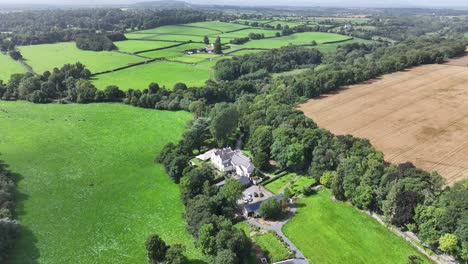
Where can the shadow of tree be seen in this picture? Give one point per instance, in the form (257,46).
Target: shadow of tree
(25,250)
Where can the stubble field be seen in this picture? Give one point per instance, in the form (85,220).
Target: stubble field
(419,115)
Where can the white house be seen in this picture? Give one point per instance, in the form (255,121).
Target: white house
(228,160)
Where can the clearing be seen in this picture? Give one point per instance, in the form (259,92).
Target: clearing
(89,191)
(8,67)
(165,73)
(418,115)
(335,232)
(45,57)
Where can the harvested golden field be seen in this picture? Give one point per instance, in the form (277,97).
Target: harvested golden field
(419,115)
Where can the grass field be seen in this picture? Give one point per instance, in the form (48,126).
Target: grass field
(277,185)
(131,46)
(267,241)
(466,35)
(335,232)
(179,30)
(89,191)
(419,115)
(179,38)
(295,39)
(47,56)
(245,51)
(287,23)
(163,72)
(8,67)
(217,25)
(172,52)
(245,33)
(300,183)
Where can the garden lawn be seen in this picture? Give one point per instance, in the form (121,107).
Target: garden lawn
(8,66)
(304,38)
(89,190)
(47,56)
(277,185)
(132,46)
(217,25)
(179,30)
(335,232)
(162,72)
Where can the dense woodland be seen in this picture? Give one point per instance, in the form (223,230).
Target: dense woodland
(247,101)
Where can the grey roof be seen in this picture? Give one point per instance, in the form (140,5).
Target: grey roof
(240,159)
(244,180)
(225,154)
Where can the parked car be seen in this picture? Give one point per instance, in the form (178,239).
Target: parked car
(255,194)
(261,194)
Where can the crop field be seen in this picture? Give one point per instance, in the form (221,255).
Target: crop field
(131,46)
(89,191)
(8,67)
(419,115)
(335,232)
(47,56)
(305,38)
(216,25)
(179,30)
(162,72)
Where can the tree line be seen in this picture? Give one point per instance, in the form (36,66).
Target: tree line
(9,227)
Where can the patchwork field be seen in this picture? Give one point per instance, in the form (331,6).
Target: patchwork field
(47,56)
(419,115)
(176,38)
(89,191)
(131,46)
(179,30)
(216,25)
(245,33)
(164,73)
(8,67)
(335,232)
(172,52)
(305,38)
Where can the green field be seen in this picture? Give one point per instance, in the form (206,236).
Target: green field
(277,185)
(162,72)
(89,191)
(287,23)
(267,241)
(179,30)
(8,67)
(217,25)
(466,35)
(178,38)
(335,232)
(245,33)
(172,52)
(132,46)
(305,38)
(245,51)
(47,56)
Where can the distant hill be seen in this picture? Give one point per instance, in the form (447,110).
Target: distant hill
(162,4)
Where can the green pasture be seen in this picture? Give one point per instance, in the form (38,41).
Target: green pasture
(47,56)
(88,188)
(132,46)
(466,35)
(8,67)
(290,24)
(331,47)
(245,51)
(165,73)
(172,52)
(179,30)
(178,38)
(304,38)
(217,25)
(335,232)
(245,33)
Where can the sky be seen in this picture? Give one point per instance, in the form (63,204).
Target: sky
(344,3)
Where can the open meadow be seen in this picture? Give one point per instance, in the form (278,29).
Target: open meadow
(179,30)
(418,115)
(162,72)
(132,46)
(88,188)
(8,67)
(45,57)
(304,38)
(338,233)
